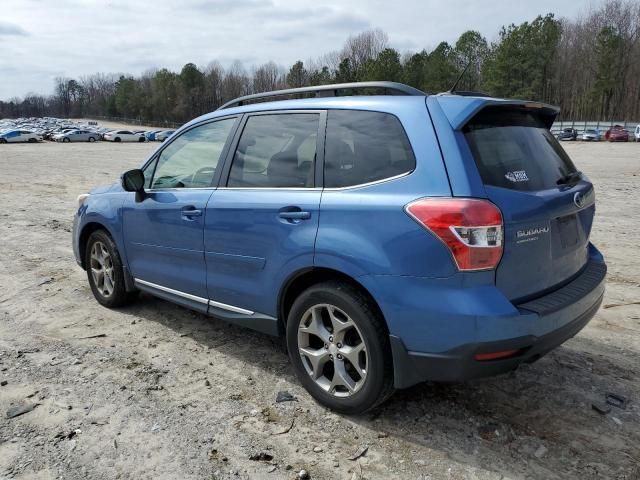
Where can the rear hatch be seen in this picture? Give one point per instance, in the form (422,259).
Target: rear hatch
(547,205)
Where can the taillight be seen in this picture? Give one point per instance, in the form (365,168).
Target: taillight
(471,228)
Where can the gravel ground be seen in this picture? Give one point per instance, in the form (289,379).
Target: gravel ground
(159,392)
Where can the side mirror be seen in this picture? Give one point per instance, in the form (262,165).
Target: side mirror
(133,180)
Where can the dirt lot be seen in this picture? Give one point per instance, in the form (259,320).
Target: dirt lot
(159,392)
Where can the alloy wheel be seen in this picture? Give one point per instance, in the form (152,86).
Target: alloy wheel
(332,350)
(102,269)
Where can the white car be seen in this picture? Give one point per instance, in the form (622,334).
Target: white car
(15,136)
(636,133)
(123,136)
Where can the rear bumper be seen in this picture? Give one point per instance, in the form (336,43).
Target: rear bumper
(538,327)
(460,365)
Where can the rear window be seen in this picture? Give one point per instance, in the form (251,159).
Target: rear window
(514,149)
(363,147)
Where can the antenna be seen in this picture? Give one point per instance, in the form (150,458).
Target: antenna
(453,89)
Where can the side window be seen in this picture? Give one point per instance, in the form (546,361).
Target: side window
(190,160)
(276,150)
(363,147)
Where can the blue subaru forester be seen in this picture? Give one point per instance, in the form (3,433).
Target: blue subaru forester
(393,238)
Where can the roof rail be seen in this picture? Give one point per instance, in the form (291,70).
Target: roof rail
(393,88)
(467,93)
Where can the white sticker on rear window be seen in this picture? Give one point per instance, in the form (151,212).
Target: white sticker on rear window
(517,176)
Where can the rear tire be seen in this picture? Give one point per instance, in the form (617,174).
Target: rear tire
(92,139)
(32,140)
(349,368)
(117,139)
(105,272)
(141,140)
(3,140)
(66,140)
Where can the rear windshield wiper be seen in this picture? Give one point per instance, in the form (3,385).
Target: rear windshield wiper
(570,178)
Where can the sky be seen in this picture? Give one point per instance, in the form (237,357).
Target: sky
(44,39)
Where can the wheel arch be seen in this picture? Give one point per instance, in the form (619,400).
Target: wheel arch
(85,233)
(83,238)
(305,278)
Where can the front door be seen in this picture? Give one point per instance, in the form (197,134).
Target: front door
(261,224)
(163,231)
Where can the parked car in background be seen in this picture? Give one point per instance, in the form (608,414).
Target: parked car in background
(123,136)
(49,128)
(412,257)
(617,134)
(77,136)
(163,135)
(58,132)
(636,134)
(568,134)
(151,135)
(18,136)
(50,133)
(102,132)
(591,135)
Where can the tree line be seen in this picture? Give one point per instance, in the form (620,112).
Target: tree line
(589,66)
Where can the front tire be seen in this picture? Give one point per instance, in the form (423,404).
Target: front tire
(339,347)
(66,140)
(105,272)
(141,139)
(92,139)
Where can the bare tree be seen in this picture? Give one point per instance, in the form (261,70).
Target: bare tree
(213,77)
(236,82)
(267,77)
(364,46)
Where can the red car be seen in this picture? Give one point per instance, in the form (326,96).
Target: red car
(616,134)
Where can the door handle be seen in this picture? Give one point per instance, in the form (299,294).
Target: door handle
(295,215)
(191,212)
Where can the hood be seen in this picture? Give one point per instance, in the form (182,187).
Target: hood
(114,187)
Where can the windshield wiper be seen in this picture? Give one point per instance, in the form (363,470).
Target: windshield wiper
(570,177)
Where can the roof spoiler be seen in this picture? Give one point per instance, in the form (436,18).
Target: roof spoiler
(460,110)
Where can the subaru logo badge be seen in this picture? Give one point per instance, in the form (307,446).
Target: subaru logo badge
(578,199)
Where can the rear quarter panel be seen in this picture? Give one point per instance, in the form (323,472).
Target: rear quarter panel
(364,230)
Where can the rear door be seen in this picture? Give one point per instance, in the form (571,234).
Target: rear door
(261,223)
(547,205)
